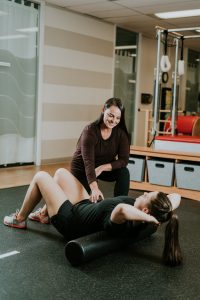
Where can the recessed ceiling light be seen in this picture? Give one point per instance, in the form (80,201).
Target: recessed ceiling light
(179,14)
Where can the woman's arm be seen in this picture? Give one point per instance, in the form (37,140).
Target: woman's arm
(103,168)
(122,152)
(125,212)
(87,145)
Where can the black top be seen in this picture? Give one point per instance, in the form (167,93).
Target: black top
(91,217)
(92,151)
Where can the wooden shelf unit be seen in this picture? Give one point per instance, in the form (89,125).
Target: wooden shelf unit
(177,157)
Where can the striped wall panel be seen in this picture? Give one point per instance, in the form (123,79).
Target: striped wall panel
(53,93)
(63,19)
(55,56)
(78,78)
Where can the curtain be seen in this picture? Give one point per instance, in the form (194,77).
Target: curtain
(18,74)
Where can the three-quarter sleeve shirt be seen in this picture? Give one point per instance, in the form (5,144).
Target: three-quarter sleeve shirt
(92,151)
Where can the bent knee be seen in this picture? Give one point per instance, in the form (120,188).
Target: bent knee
(41,175)
(60,172)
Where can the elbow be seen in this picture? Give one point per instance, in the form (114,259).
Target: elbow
(175,200)
(118,214)
(120,208)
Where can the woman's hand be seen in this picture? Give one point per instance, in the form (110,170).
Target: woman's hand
(125,212)
(102,168)
(96,195)
(151,219)
(98,171)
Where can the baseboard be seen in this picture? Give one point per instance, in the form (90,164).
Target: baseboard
(56,160)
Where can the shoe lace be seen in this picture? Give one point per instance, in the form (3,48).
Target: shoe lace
(15,213)
(38,211)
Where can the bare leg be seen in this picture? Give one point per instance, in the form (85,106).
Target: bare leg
(72,188)
(44,186)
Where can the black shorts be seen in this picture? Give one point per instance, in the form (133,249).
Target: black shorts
(63,220)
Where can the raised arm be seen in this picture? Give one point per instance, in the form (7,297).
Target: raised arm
(125,212)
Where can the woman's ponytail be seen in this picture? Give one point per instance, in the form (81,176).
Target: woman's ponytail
(172,252)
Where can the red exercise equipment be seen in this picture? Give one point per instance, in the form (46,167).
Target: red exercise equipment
(186,125)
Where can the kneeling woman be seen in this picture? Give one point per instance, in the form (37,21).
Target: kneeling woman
(78,216)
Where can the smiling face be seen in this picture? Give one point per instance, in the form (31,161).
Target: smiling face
(143,201)
(112,116)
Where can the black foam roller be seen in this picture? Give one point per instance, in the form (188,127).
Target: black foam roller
(94,245)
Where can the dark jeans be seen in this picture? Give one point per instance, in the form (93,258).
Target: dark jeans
(120,176)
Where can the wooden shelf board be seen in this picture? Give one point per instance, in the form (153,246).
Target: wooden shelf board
(146,186)
(147,151)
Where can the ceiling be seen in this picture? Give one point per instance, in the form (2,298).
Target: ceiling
(138,15)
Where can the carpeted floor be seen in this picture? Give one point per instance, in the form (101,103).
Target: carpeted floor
(41,271)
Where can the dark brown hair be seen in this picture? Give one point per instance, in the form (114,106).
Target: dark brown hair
(118,103)
(161,209)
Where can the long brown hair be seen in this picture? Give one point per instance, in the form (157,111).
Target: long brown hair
(161,208)
(118,103)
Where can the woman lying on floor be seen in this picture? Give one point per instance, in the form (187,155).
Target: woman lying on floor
(78,216)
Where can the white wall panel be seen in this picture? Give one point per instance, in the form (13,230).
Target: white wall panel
(77,60)
(76,95)
(73,75)
(64,19)
(62,130)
